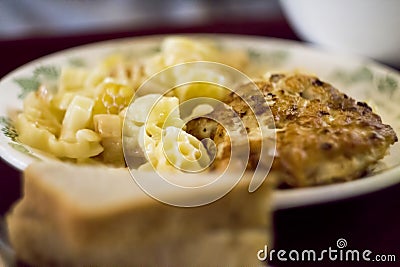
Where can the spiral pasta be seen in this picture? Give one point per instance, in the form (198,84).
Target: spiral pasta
(164,144)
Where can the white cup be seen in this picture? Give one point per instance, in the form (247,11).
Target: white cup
(365,27)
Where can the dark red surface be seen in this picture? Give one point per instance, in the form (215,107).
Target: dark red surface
(368,222)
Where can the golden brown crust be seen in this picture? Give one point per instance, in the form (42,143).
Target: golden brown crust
(323,136)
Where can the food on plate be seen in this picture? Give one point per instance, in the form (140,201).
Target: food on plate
(62,118)
(322,135)
(153,133)
(93,215)
(96,216)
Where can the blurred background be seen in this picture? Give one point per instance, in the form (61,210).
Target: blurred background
(31,29)
(26,18)
(364,27)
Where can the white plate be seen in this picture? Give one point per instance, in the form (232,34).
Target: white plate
(359,78)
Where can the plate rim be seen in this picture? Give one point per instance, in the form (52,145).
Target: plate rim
(282,199)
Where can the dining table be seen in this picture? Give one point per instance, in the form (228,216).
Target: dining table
(369,221)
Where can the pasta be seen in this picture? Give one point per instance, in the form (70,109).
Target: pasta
(109,127)
(86,144)
(83,118)
(76,117)
(183,150)
(156,120)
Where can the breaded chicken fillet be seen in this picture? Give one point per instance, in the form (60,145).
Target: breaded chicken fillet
(322,135)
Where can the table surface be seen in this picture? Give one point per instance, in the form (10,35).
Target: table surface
(370,221)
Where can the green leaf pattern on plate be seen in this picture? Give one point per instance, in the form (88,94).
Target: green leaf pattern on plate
(9,131)
(362,74)
(76,62)
(272,58)
(42,74)
(27,85)
(46,72)
(8,128)
(155,49)
(387,85)
(21,148)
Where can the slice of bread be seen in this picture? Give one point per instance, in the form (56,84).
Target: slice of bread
(75,216)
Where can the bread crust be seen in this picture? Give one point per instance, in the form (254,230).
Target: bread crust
(93,216)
